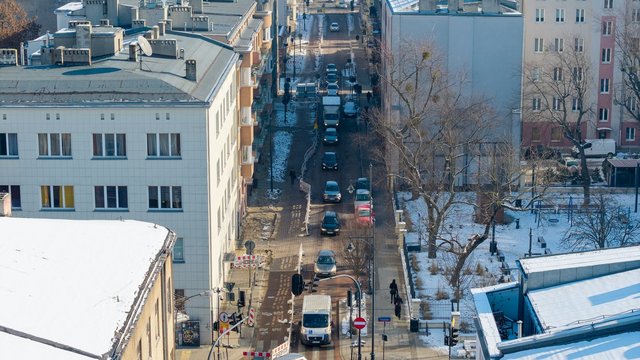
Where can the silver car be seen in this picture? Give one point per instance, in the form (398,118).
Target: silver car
(325,264)
(332,192)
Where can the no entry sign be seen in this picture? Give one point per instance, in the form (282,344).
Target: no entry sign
(359,323)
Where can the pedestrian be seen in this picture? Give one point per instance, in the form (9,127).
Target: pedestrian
(393,290)
(292,175)
(369,97)
(398,306)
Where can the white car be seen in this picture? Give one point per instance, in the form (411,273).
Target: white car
(332,89)
(334,27)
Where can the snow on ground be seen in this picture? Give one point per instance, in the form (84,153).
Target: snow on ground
(282,146)
(344,320)
(512,242)
(291,120)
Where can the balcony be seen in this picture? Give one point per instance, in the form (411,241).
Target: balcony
(246,77)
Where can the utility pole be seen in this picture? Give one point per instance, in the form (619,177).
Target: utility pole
(373,264)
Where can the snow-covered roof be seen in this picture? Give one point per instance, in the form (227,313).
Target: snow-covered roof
(619,346)
(587,301)
(580,259)
(72,6)
(486,319)
(71,281)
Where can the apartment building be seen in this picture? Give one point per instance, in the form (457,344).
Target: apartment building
(129,136)
(81,289)
(585,32)
(477,43)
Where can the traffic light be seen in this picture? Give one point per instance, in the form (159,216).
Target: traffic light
(241,299)
(349,300)
(455,327)
(351,5)
(453,340)
(297,284)
(215,326)
(446,340)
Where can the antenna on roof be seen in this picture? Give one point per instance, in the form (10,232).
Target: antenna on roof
(144,48)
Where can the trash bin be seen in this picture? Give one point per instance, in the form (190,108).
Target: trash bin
(414,325)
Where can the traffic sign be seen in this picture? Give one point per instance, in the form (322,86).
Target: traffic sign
(359,323)
(384,319)
(224,317)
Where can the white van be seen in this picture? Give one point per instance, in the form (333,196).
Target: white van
(599,148)
(315,328)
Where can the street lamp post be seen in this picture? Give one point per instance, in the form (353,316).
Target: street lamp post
(373,264)
(293,41)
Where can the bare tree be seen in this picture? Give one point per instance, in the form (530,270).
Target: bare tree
(356,253)
(430,140)
(628,43)
(15,25)
(601,226)
(558,93)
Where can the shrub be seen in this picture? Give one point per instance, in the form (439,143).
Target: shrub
(465,327)
(441,294)
(425,309)
(433,268)
(467,271)
(419,283)
(415,266)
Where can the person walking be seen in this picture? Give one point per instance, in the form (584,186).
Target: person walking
(398,306)
(292,175)
(393,290)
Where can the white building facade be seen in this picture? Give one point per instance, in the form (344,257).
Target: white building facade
(110,141)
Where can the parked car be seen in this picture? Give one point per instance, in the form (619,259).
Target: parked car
(364,215)
(329,161)
(330,223)
(362,197)
(330,136)
(325,264)
(334,27)
(350,109)
(331,192)
(332,89)
(332,68)
(341,5)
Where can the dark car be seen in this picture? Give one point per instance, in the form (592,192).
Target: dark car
(363,183)
(332,78)
(330,136)
(329,161)
(330,224)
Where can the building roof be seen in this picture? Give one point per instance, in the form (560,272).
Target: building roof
(579,259)
(115,80)
(587,301)
(618,346)
(72,6)
(623,163)
(507,7)
(73,282)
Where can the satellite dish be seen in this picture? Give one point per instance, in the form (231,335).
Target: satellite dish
(144,46)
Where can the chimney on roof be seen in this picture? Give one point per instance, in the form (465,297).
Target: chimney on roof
(454,6)
(156,31)
(191,70)
(169,24)
(196,6)
(490,6)
(427,5)
(104,22)
(8,57)
(83,36)
(133,52)
(162,28)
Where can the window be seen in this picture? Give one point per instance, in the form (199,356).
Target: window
(604,86)
(578,44)
(535,134)
(54,145)
(109,145)
(139,350)
(559,15)
(608,4)
(165,197)
(535,106)
(635,15)
(157,315)
(14,190)
(178,251)
(557,74)
(607,27)
(8,145)
(630,134)
(538,45)
(606,56)
(556,134)
(603,114)
(539,15)
(559,45)
(576,104)
(632,103)
(149,337)
(536,73)
(163,145)
(57,197)
(111,197)
(556,104)
(578,73)
(579,15)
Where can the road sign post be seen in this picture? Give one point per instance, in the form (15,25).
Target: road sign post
(384,320)
(359,323)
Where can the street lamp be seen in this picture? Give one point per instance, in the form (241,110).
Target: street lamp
(285,58)
(293,41)
(373,264)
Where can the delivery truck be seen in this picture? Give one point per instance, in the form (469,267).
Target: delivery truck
(331,110)
(315,327)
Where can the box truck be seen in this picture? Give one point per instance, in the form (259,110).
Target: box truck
(315,328)
(331,110)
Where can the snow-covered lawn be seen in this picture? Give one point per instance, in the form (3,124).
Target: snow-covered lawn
(483,268)
(282,146)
